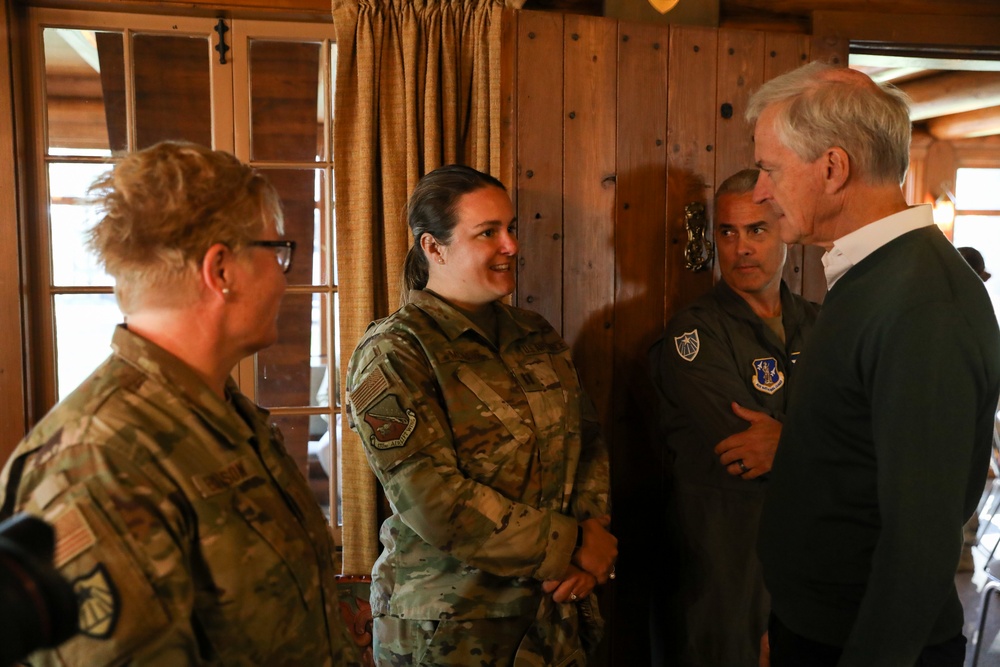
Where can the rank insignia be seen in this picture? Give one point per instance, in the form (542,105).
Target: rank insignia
(794,357)
(99,603)
(767,378)
(391,425)
(687,345)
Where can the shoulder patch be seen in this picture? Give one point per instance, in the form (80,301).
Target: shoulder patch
(99,603)
(687,345)
(391,425)
(73,535)
(369,389)
(767,378)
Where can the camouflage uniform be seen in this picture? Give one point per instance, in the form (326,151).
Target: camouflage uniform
(185,527)
(489,457)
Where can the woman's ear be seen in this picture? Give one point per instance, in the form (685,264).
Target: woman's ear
(216,270)
(433,250)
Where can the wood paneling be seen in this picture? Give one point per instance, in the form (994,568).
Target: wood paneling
(639,250)
(691,152)
(539,164)
(621,130)
(741,71)
(590,120)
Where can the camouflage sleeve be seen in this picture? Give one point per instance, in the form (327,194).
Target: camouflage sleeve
(117,536)
(395,409)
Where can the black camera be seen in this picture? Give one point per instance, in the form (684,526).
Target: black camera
(38,608)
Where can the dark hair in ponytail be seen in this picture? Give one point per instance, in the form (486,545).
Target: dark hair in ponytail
(431,210)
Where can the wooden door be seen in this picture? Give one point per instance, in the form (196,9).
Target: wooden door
(611,129)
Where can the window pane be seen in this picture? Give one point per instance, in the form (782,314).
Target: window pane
(285,97)
(84,90)
(312,452)
(301,192)
(978,189)
(172,89)
(291,372)
(982,232)
(84,324)
(70,217)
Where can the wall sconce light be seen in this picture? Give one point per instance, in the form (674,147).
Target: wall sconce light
(944,212)
(663,6)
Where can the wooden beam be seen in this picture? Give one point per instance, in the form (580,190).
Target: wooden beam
(978,123)
(953,23)
(887,10)
(951,93)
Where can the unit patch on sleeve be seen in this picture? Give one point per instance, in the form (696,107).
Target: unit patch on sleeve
(687,345)
(391,425)
(369,389)
(73,535)
(767,378)
(99,603)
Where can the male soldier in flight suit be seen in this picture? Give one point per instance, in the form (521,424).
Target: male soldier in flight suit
(733,349)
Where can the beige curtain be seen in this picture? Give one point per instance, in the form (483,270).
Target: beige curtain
(418,86)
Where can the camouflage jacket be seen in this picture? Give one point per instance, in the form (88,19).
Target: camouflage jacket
(488,455)
(188,533)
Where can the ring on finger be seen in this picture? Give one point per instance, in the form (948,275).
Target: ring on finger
(742,466)
(573,597)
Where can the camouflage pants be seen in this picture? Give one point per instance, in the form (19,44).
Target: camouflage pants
(486,642)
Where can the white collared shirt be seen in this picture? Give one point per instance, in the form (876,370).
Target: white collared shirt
(848,250)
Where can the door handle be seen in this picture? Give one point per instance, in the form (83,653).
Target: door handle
(699,249)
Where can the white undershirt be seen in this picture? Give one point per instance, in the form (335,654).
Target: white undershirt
(849,250)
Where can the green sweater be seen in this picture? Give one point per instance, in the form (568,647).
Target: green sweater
(883,454)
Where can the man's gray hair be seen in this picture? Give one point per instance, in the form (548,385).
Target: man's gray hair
(820,106)
(740,183)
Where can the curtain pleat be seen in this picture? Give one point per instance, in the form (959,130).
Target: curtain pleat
(417,86)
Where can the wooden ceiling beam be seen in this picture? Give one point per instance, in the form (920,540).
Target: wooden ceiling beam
(951,93)
(978,123)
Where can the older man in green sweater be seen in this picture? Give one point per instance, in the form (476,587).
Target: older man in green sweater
(885,447)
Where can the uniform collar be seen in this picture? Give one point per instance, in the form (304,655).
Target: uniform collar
(454,323)
(166,369)
(737,306)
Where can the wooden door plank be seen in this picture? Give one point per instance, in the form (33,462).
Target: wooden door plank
(741,71)
(834,51)
(784,52)
(590,118)
(690,152)
(539,164)
(640,242)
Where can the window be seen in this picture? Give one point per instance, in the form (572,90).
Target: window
(977,220)
(111,83)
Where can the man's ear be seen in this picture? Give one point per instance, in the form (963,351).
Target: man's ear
(837,169)
(216,269)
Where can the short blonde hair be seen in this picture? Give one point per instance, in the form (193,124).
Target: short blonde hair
(163,207)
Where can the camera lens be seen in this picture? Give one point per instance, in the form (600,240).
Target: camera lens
(38,608)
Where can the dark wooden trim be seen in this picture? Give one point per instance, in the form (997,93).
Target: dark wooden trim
(13,389)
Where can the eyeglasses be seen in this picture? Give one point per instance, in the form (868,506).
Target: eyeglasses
(283,251)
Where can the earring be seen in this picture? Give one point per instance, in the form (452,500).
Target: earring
(225,291)
(440,260)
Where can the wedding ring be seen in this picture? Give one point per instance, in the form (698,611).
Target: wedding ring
(742,466)
(612,575)
(572,596)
